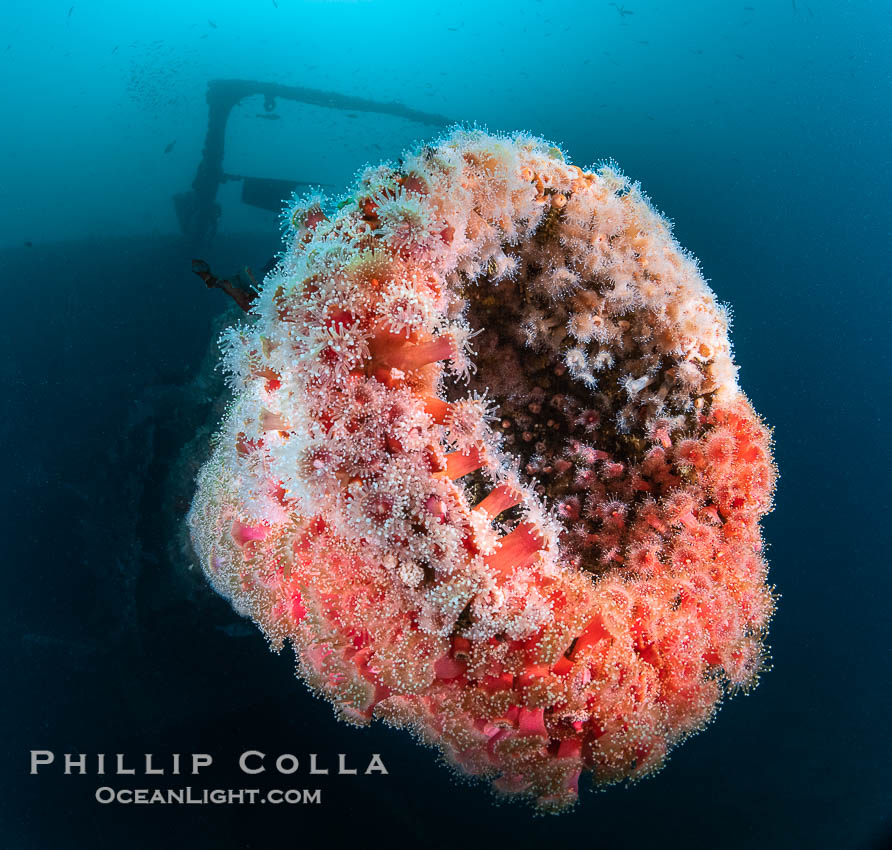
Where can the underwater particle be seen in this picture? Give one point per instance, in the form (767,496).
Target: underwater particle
(488,469)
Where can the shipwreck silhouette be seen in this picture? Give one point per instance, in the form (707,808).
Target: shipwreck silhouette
(197,209)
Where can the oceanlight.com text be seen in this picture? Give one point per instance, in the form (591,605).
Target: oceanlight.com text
(208,796)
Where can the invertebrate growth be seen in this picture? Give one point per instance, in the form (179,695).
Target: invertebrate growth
(488,469)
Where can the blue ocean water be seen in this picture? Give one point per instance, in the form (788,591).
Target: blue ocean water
(762,130)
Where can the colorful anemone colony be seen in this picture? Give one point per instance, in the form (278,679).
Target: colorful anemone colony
(488,470)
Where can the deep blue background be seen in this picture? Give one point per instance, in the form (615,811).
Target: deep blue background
(763,132)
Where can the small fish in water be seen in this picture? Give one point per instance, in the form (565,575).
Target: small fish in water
(70,11)
(115,50)
(212,23)
(29,243)
(275,4)
(269,116)
(352,115)
(170,145)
